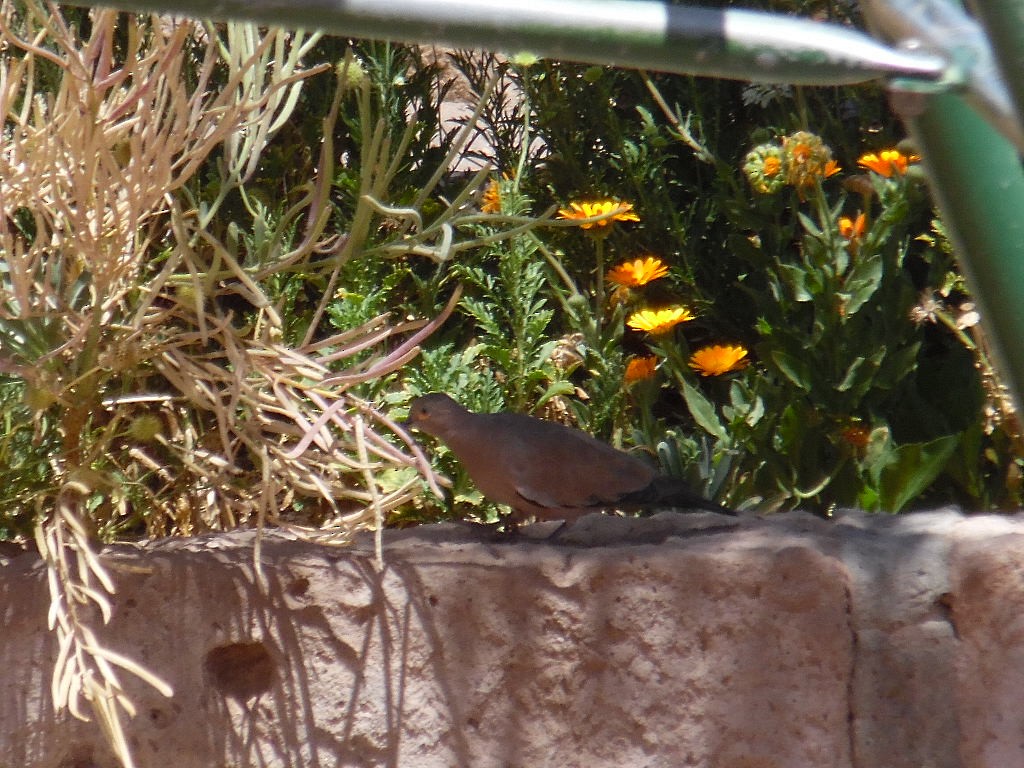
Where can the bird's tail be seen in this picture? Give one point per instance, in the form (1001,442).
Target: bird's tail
(667,491)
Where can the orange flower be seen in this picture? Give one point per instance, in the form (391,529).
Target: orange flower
(807,160)
(856,435)
(888,162)
(640,368)
(716,360)
(658,321)
(611,210)
(764,167)
(800,152)
(633,274)
(491,202)
(852,229)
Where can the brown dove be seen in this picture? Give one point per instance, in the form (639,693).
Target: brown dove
(546,470)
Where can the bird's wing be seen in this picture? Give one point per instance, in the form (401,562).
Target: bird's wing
(556,467)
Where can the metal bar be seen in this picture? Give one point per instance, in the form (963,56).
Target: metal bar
(942,27)
(978,183)
(736,44)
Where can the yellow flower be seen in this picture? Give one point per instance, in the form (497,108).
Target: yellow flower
(657,321)
(352,71)
(491,202)
(888,162)
(718,359)
(831,169)
(610,209)
(525,59)
(852,229)
(640,368)
(633,274)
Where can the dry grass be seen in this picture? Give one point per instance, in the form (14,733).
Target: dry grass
(171,410)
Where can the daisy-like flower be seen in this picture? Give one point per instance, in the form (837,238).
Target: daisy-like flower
(640,368)
(763,167)
(352,71)
(888,162)
(807,159)
(491,202)
(658,321)
(632,274)
(718,359)
(612,210)
(852,229)
(802,159)
(525,59)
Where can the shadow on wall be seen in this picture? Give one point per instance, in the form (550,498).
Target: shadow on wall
(763,644)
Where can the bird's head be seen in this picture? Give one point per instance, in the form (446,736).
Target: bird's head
(433,414)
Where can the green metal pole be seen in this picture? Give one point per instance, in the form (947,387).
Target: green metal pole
(942,27)
(978,183)
(970,142)
(1003,21)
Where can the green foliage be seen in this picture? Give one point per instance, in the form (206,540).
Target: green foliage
(215,289)
(860,382)
(512,319)
(27,440)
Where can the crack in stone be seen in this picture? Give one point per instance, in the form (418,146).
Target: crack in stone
(851,715)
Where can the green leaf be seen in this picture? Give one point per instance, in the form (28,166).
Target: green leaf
(795,278)
(860,376)
(897,365)
(756,412)
(851,371)
(747,406)
(554,389)
(794,369)
(868,499)
(703,412)
(914,468)
(862,283)
(810,226)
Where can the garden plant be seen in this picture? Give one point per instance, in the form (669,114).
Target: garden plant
(230,257)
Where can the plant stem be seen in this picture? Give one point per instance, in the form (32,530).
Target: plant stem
(524,150)
(556,265)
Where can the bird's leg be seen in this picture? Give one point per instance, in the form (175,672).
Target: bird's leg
(508,527)
(556,534)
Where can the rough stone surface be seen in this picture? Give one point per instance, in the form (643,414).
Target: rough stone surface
(678,640)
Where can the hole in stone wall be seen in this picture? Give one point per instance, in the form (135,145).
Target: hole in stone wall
(79,757)
(946,606)
(241,670)
(298,587)
(162,718)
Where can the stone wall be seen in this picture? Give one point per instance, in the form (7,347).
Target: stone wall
(675,641)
